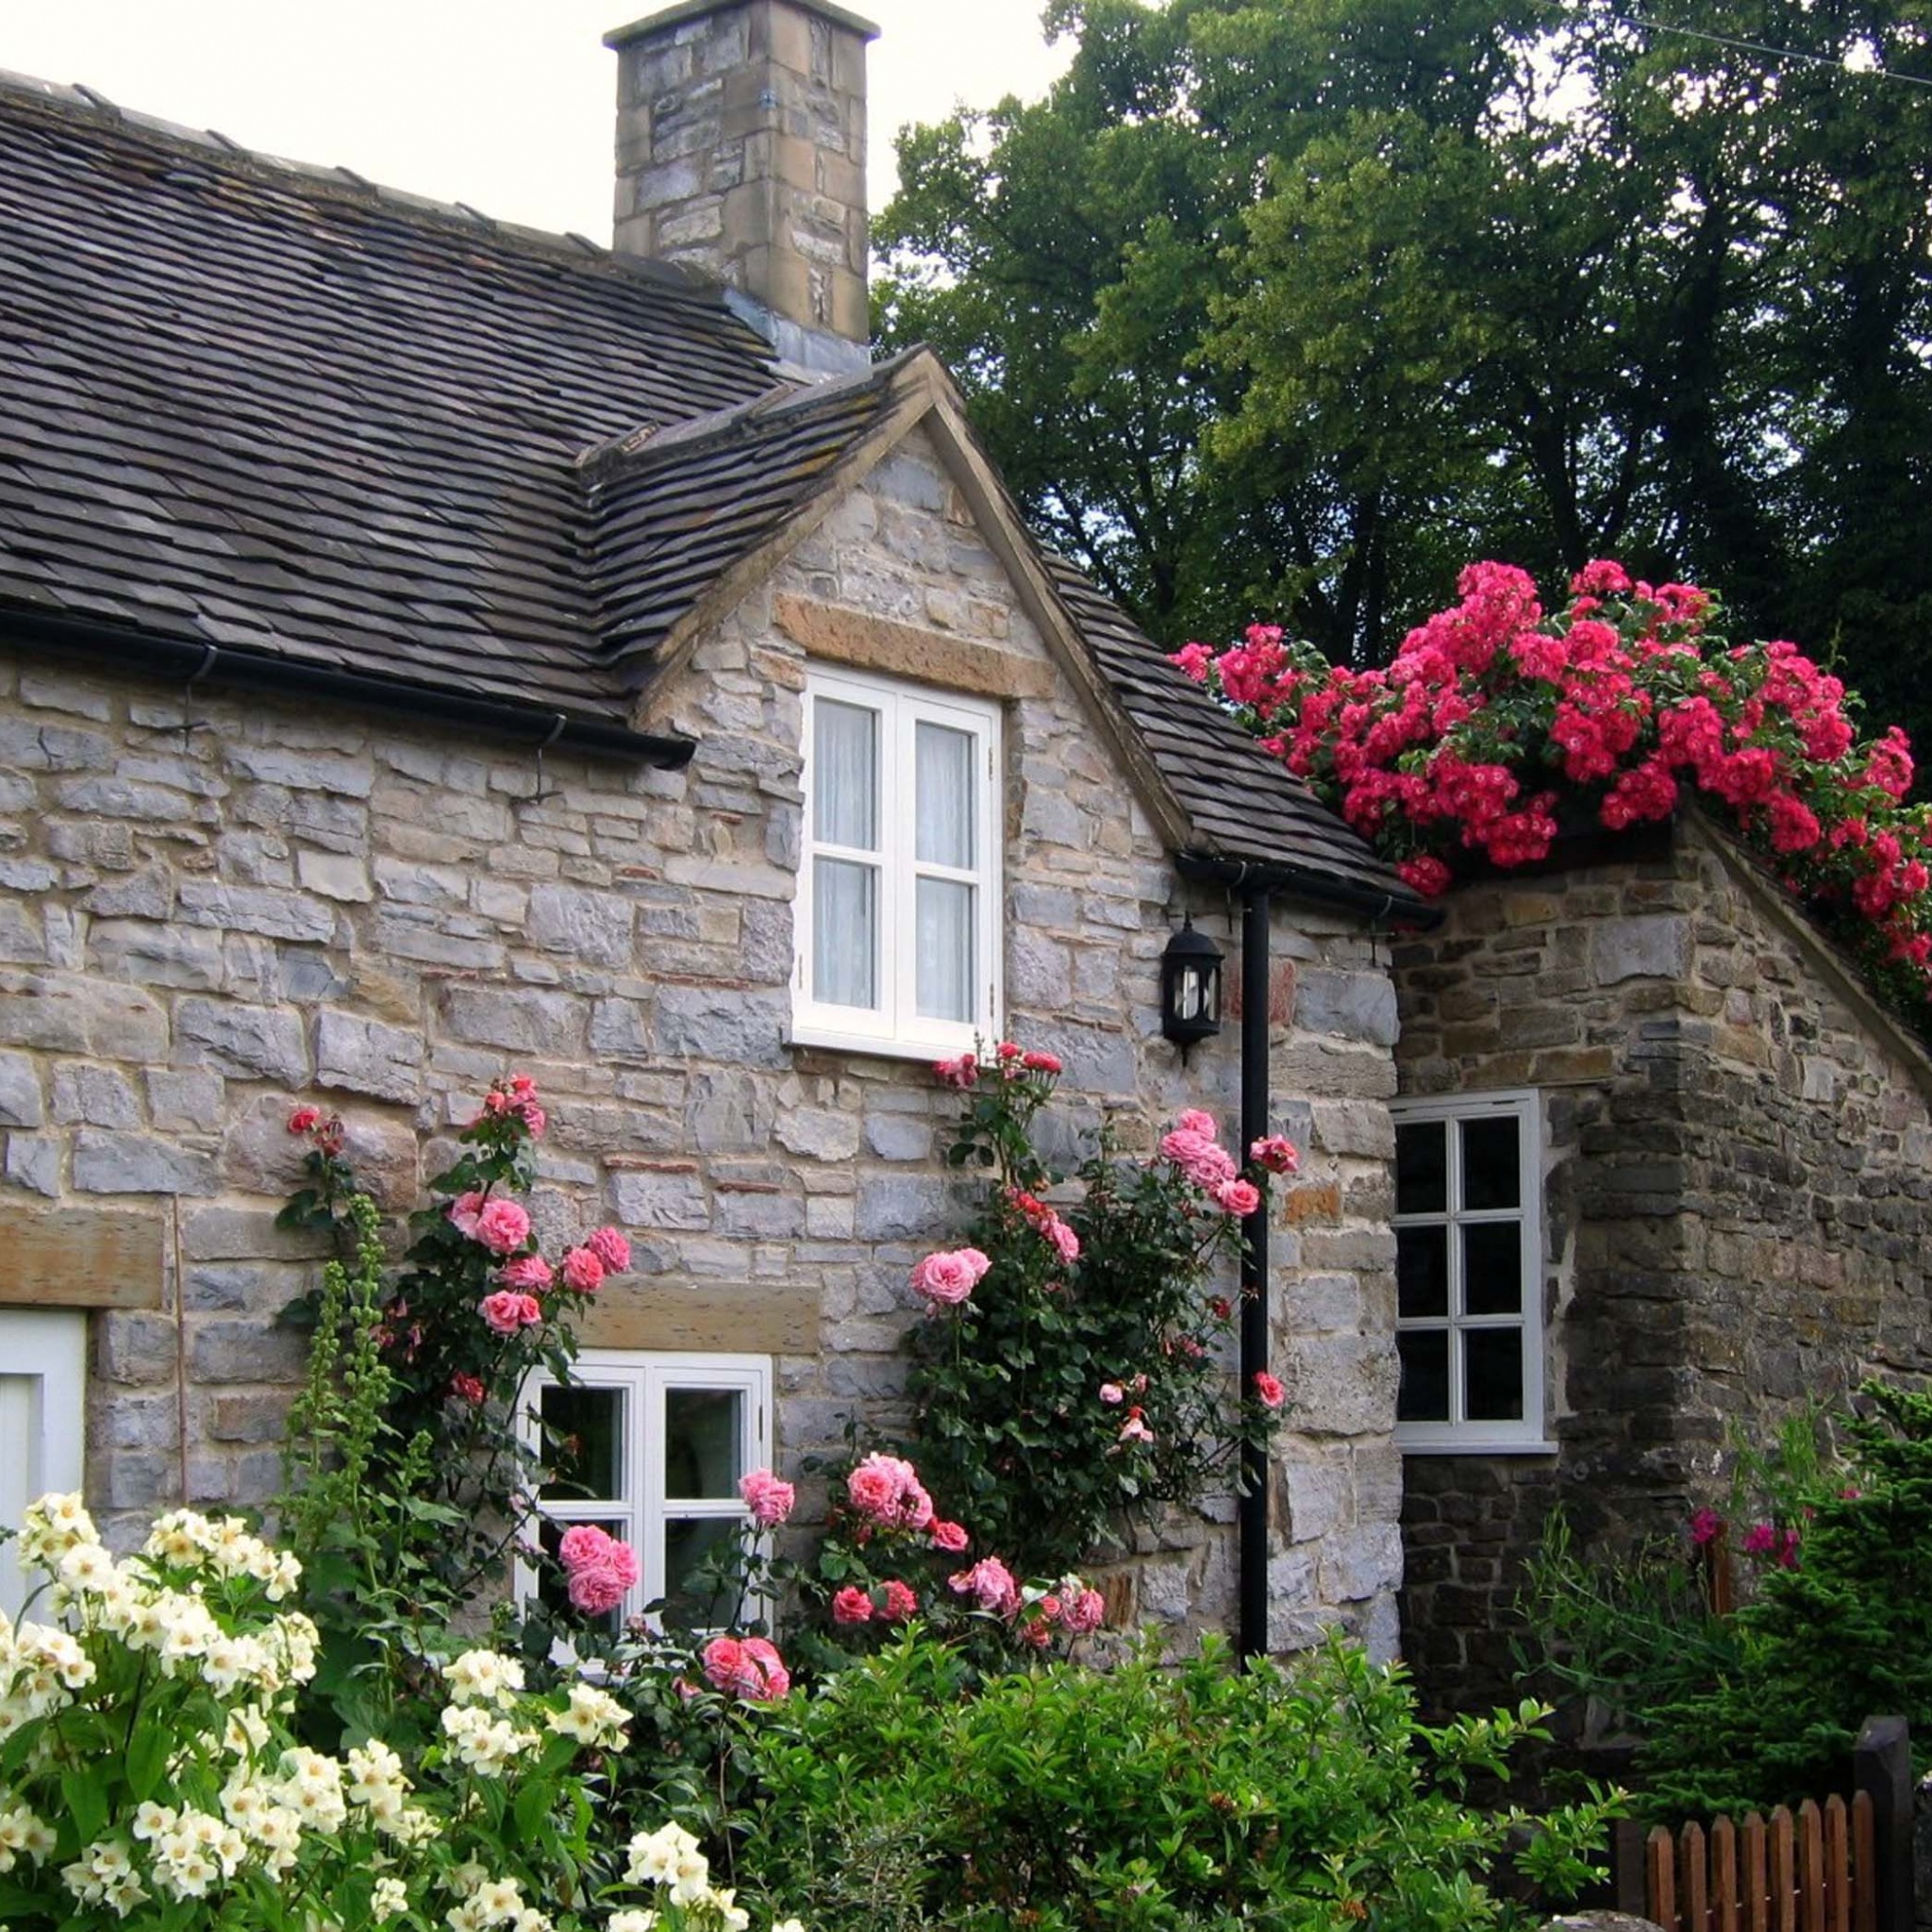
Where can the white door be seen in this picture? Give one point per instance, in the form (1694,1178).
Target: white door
(43,1420)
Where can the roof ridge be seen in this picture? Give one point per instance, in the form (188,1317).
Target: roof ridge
(85,103)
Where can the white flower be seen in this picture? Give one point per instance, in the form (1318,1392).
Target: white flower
(484,1677)
(483,1742)
(52,1527)
(633,1922)
(663,1856)
(390,1897)
(595,1718)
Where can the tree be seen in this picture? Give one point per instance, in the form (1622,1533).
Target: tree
(1288,307)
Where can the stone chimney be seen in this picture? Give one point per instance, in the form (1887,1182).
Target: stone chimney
(741,151)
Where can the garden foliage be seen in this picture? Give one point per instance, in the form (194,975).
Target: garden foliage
(1496,724)
(1762,1706)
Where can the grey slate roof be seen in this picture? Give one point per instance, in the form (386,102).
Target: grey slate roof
(278,410)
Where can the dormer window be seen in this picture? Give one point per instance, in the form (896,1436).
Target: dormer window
(898,926)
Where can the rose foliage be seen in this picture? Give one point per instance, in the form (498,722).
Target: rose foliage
(1498,721)
(1072,1374)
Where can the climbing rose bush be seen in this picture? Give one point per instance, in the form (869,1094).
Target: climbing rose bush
(1498,721)
(1074,1370)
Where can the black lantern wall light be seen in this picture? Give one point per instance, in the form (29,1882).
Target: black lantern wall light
(1190,987)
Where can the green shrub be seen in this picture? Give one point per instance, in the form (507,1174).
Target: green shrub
(1141,1799)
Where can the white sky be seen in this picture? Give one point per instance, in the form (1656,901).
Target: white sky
(506,105)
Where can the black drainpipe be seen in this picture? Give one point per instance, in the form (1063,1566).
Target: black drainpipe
(1253,1506)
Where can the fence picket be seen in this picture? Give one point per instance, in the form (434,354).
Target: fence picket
(1784,1871)
(1723,1876)
(1864,1864)
(1810,1867)
(1694,1872)
(1838,1866)
(1757,1879)
(1663,1879)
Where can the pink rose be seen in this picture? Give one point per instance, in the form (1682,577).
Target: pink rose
(850,1606)
(887,1489)
(305,1120)
(530,1273)
(946,1279)
(610,1248)
(960,1073)
(1083,1613)
(769,1500)
(1240,1198)
(601,1570)
(746,1667)
(1135,1429)
(1041,1062)
(506,1311)
(1706,1527)
(1112,1394)
(989,1584)
(1034,1631)
(1192,1120)
(467,1389)
(582,1270)
(463,1212)
(1760,1539)
(1064,1239)
(900,1602)
(950,1537)
(1275,1154)
(502,1226)
(1268,1389)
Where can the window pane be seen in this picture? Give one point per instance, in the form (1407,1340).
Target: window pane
(1422,1168)
(1421,1270)
(845,775)
(702,1431)
(583,1441)
(945,950)
(1424,1396)
(1492,1171)
(691,1599)
(943,759)
(1492,1364)
(1492,1268)
(845,940)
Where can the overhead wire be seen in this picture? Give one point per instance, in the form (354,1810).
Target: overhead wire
(1742,47)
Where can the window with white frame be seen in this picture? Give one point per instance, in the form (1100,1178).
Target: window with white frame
(1469,1273)
(42,1402)
(650,1449)
(898,926)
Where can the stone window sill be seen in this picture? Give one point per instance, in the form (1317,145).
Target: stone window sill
(828,1038)
(1475,1445)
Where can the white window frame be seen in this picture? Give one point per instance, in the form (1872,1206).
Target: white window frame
(1460,1436)
(43,1420)
(896,1027)
(639,1516)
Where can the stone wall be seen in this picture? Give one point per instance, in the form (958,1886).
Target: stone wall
(210,908)
(1736,1168)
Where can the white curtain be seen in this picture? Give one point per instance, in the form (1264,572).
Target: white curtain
(944,835)
(846,811)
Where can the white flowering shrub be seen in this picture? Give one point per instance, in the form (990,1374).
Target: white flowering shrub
(150,1779)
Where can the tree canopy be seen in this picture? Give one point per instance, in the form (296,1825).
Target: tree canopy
(1288,308)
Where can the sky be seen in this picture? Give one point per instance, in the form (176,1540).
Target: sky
(506,105)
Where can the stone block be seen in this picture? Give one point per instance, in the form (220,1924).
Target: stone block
(135,1349)
(525,1020)
(339,875)
(672,1196)
(70,1014)
(155,955)
(244,1041)
(736,1028)
(267,911)
(1347,1006)
(120,1163)
(1655,945)
(301,770)
(591,926)
(363,1056)
(223,1350)
(99,1096)
(899,1137)
(819,1133)
(903,1207)
(21,1104)
(33,1162)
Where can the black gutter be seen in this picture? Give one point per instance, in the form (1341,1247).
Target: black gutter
(1397,907)
(192,660)
(1252,1510)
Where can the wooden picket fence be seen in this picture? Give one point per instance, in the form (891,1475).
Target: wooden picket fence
(1838,1867)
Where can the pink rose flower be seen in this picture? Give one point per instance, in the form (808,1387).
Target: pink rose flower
(1275,1154)
(610,1248)
(582,1270)
(887,1489)
(1135,1429)
(946,1279)
(989,1584)
(746,1667)
(769,1500)
(506,1311)
(1041,1062)
(1112,1394)
(1036,1632)
(1083,1613)
(960,1073)
(901,1602)
(950,1537)
(530,1273)
(1706,1527)
(305,1120)
(1268,1389)
(601,1571)
(1192,1120)
(1238,1198)
(1066,1243)
(850,1606)
(463,1213)
(1760,1539)
(502,1226)
(467,1389)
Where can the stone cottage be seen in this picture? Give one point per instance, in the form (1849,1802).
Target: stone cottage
(1664,1167)
(428,648)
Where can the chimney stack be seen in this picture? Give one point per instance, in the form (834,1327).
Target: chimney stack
(741,151)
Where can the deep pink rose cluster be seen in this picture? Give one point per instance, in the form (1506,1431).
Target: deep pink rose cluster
(886,1489)
(514,1099)
(769,1500)
(746,1667)
(600,1572)
(1191,1147)
(945,1279)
